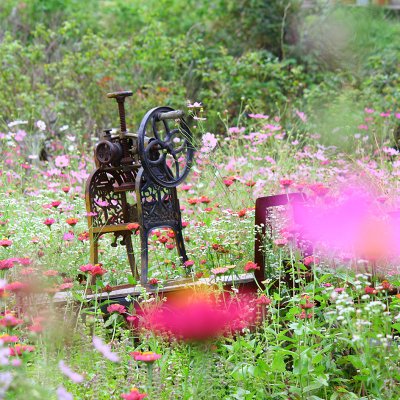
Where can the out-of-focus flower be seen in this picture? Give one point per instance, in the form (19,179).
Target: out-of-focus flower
(285,183)
(263,299)
(20,135)
(41,125)
(72,221)
(258,116)
(219,270)
(20,349)
(6,264)
(133,226)
(118,308)
(67,371)
(61,161)
(5,242)
(251,266)
(104,349)
(49,222)
(146,356)
(62,394)
(209,142)
(134,394)
(194,316)
(301,115)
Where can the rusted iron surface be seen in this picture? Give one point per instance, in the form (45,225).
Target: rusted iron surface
(147,165)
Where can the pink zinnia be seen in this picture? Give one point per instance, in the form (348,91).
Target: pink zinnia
(251,266)
(5,242)
(146,356)
(133,395)
(118,308)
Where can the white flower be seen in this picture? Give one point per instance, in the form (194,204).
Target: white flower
(41,125)
(13,123)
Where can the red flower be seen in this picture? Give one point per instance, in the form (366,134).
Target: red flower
(66,189)
(153,281)
(55,204)
(163,239)
(204,199)
(133,226)
(242,213)
(72,221)
(370,290)
(93,270)
(147,356)
(310,260)
(97,270)
(251,266)
(83,236)
(133,395)
(263,299)
(228,182)
(49,221)
(118,308)
(285,183)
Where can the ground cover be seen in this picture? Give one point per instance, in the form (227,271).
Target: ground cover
(330,335)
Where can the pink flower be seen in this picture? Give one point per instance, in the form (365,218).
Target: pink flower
(310,260)
(369,110)
(133,395)
(20,135)
(62,394)
(61,161)
(67,371)
(251,266)
(397,115)
(147,356)
(118,308)
(258,116)
(301,115)
(209,142)
(10,320)
(104,349)
(49,221)
(219,270)
(285,183)
(188,263)
(263,299)
(5,242)
(6,264)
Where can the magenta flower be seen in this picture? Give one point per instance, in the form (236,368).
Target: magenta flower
(118,308)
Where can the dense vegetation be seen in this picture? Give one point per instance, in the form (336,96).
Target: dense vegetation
(291,100)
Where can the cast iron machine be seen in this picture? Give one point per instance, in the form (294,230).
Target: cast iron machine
(134,185)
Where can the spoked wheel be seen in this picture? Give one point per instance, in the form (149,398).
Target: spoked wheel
(165,146)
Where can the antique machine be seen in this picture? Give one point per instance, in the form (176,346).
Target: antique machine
(134,185)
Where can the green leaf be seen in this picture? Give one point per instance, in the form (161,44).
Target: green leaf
(278,363)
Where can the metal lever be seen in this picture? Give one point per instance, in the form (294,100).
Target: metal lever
(120,97)
(170,115)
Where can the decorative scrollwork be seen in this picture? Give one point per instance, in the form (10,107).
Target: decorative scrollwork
(159,204)
(106,201)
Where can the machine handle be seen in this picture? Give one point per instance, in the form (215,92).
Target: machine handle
(170,115)
(116,95)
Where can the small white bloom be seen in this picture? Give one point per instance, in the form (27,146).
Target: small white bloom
(41,125)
